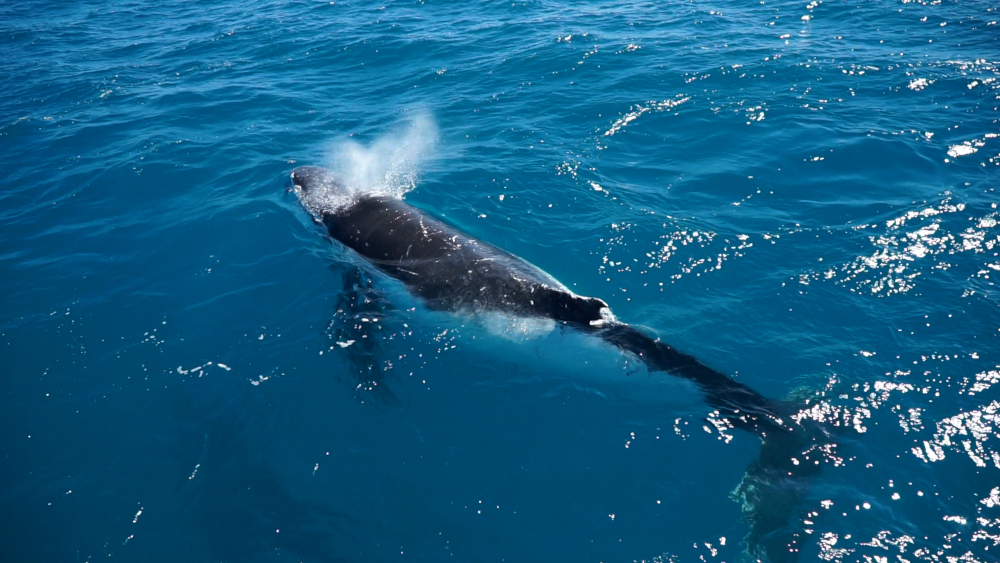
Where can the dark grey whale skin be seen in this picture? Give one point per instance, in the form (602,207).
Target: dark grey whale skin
(452,271)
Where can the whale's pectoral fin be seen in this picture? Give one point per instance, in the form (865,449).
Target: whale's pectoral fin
(564,306)
(358,328)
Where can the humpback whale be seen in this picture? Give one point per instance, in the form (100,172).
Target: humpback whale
(452,271)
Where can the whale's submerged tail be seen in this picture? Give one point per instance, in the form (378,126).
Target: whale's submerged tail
(777,480)
(740,405)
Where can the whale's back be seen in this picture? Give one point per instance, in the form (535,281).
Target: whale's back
(449,269)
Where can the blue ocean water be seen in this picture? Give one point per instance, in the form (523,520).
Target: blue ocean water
(802,195)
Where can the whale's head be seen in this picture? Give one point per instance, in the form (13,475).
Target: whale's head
(320,190)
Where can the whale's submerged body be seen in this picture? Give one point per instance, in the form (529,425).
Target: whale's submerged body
(452,271)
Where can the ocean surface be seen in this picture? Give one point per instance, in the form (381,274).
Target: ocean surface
(803,195)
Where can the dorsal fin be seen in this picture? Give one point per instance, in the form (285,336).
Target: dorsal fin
(563,305)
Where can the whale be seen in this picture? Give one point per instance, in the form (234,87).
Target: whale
(452,271)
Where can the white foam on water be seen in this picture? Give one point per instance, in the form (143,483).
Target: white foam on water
(516,328)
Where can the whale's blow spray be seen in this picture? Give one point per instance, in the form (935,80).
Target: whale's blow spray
(390,165)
